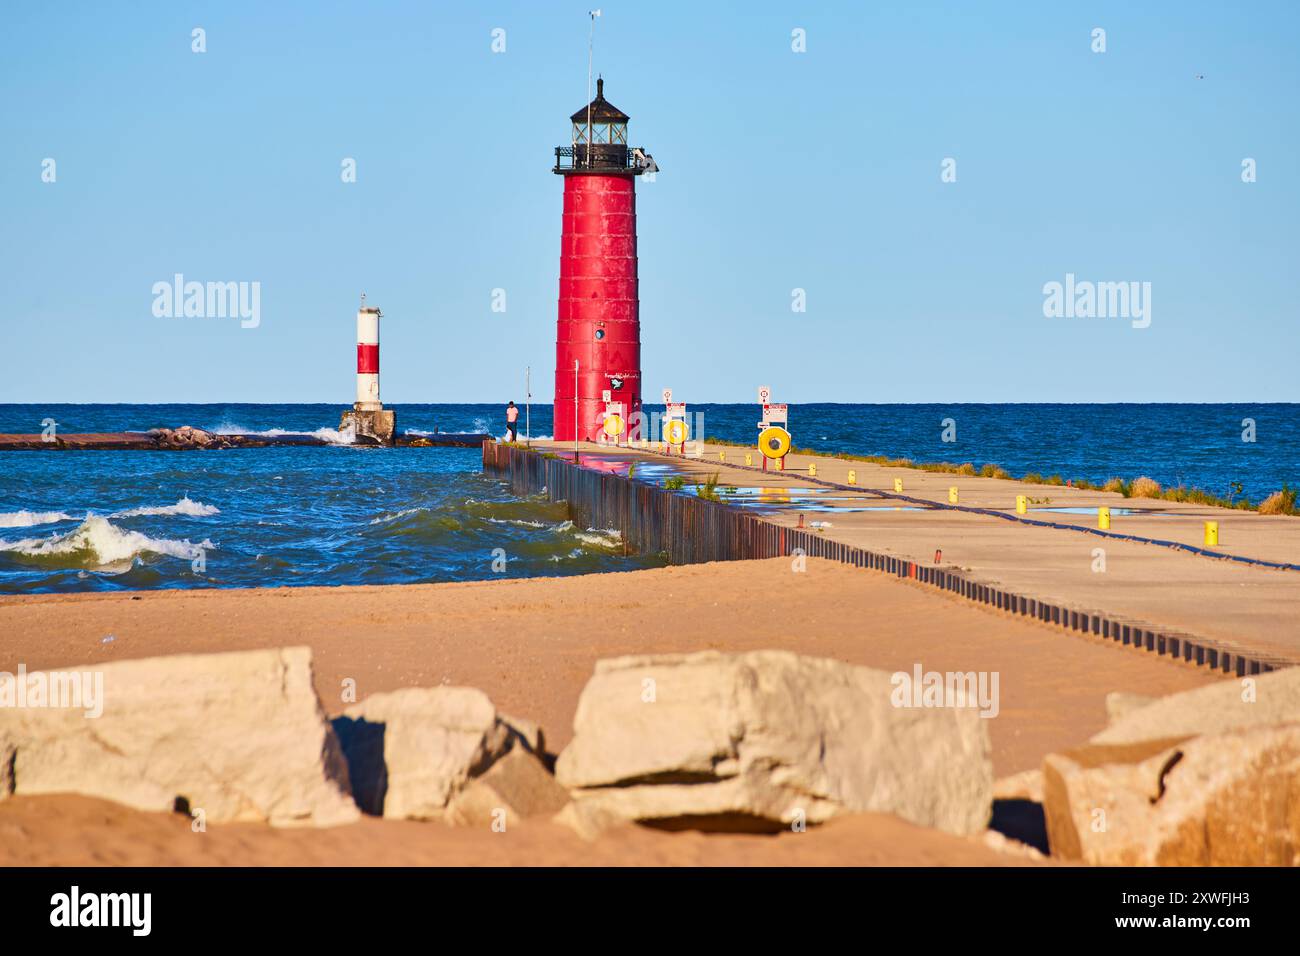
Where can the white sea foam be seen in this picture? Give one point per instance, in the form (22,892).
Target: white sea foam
(479,426)
(334,436)
(26,519)
(595,537)
(229,428)
(519,522)
(186,506)
(423,433)
(600,537)
(99,544)
(384,519)
(575,553)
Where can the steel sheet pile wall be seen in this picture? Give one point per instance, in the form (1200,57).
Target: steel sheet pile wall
(691,530)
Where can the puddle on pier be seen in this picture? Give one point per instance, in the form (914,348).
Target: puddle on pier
(1114,512)
(757,497)
(817,500)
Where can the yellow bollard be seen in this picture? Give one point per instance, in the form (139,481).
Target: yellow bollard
(812,470)
(722,456)
(1022,504)
(1211,533)
(952,496)
(898,486)
(1103,518)
(853,477)
(749,460)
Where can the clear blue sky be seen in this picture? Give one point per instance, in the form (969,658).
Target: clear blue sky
(780,170)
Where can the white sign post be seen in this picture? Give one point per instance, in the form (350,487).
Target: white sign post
(613,417)
(773,414)
(674,412)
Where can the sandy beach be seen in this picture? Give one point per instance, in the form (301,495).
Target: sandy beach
(516,640)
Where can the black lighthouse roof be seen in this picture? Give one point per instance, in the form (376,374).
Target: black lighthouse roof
(598,145)
(602,110)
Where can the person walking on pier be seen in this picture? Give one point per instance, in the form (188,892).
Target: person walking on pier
(512,421)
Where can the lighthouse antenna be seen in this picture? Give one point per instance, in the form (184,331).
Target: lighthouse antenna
(591,38)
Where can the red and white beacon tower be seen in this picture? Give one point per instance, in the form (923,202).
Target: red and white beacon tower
(599,326)
(370,420)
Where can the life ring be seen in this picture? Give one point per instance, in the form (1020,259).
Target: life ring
(774,441)
(613,426)
(674,431)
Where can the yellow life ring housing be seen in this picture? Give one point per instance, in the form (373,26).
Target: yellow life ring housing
(613,425)
(774,441)
(675,431)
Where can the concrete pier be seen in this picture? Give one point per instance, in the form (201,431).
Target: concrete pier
(1158,594)
(372,426)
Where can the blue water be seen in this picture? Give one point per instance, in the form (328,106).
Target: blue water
(97,520)
(1196,445)
(264,517)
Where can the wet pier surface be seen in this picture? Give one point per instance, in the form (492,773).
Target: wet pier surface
(180,440)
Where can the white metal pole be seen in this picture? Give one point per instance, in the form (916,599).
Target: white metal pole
(575,410)
(528,405)
(591,36)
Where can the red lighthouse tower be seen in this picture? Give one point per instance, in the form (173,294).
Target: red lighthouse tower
(599,325)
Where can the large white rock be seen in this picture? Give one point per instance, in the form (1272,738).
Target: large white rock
(516,787)
(765,739)
(1204,777)
(1025,785)
(240,736)
(1233,704)
(1223,799)
(1119,704)
(411,751)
